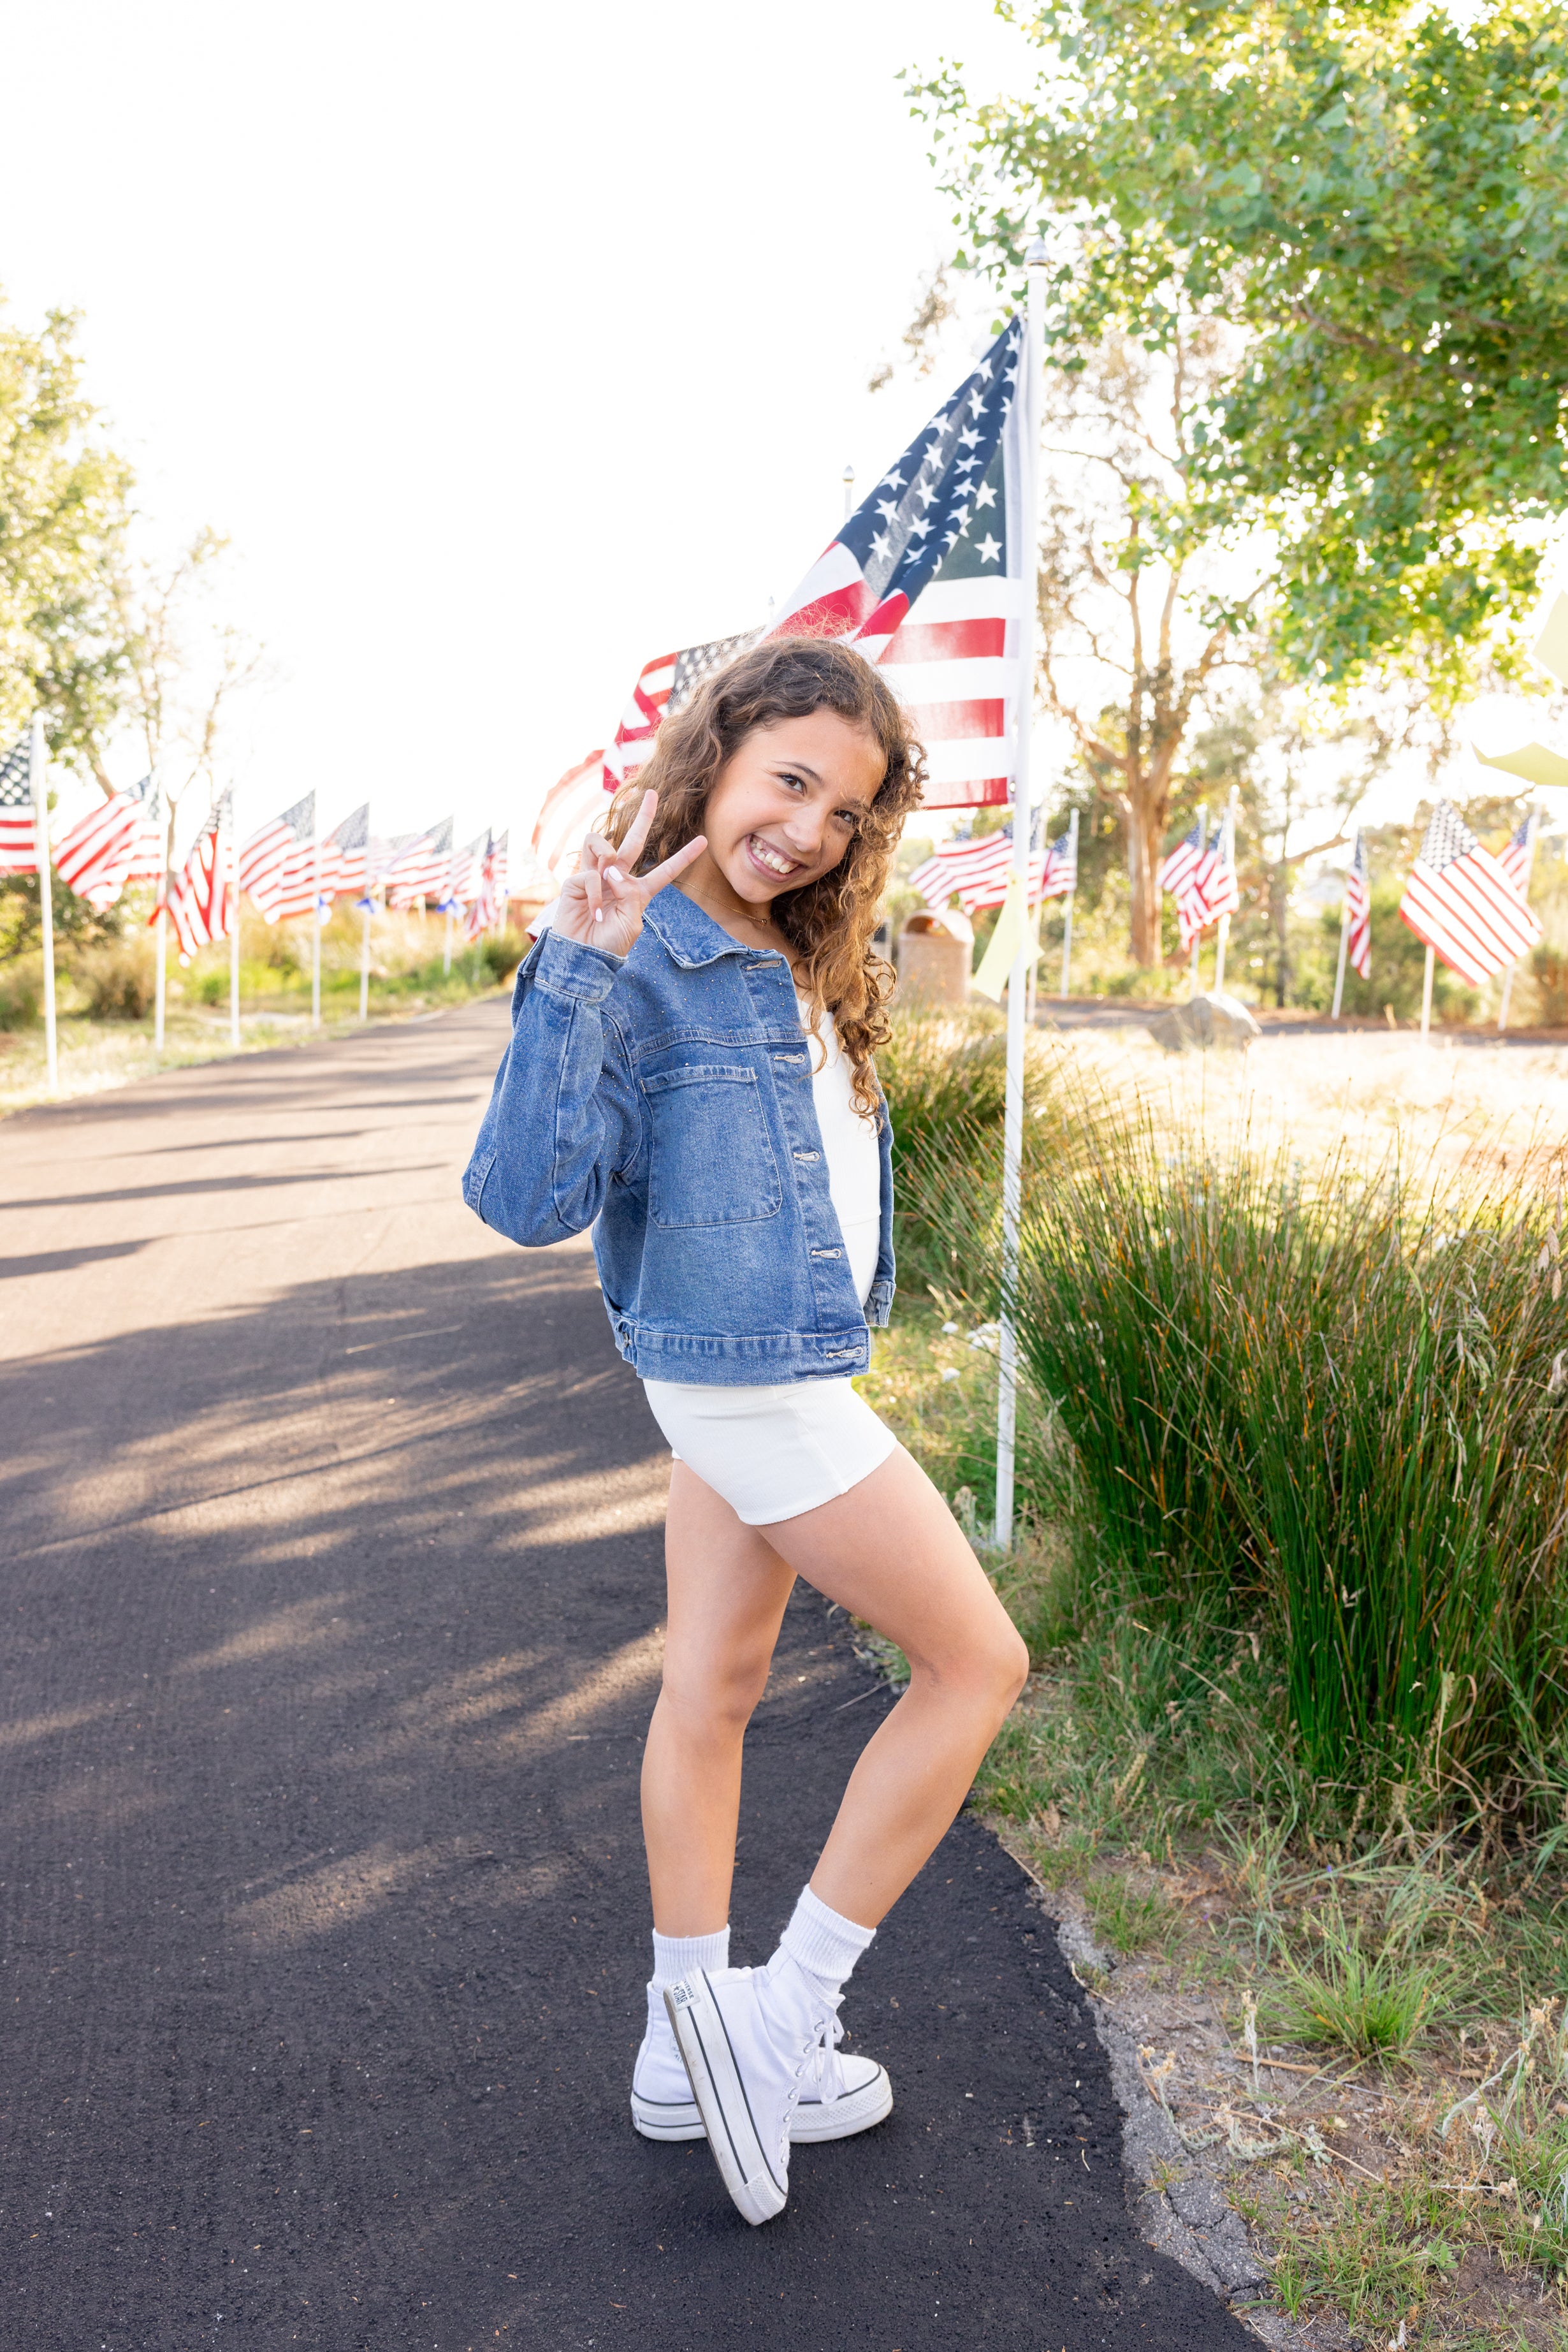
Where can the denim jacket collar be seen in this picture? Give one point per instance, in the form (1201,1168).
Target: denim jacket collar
(691,936)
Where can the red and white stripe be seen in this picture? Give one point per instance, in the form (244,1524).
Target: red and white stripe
(270,863)
(119,842)
(574,805)
(1518,856)
(466,872)
(489,901)
(1358,910)
(640,722)
(18,823)
(200,901)
(420,871)
(953,663)
(1463,904)
(1215,881)
(977,873)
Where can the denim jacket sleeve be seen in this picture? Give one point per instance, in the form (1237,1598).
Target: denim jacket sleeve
(564,1115)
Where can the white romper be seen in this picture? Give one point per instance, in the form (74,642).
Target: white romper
(776,1450)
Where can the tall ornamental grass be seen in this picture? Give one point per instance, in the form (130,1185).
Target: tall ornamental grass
(1335,1409)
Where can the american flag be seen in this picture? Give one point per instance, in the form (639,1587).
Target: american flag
(1358,908)
(200,901)
(18,833)
(1518,857)
(664,684)
(345,854)
(1459,901)
(978,871)
(119,840)
(1216,877)
(420,867)
(928,578)
(1060,879)
(1182,873)
(574,805)
(489,902)
(272,862)
(464,875)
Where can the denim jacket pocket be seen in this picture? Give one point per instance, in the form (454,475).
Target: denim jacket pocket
(713,1163)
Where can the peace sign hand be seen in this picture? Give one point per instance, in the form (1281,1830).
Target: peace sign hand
(603,903)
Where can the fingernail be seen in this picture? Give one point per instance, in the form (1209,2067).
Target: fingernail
(614,872)
(599,914)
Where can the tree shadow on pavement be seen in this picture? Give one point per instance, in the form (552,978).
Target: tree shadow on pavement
(331,1631)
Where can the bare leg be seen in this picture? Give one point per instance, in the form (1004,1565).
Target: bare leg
(890,1552)
(727,1593)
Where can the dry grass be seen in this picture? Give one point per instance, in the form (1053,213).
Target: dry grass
(1451,1100)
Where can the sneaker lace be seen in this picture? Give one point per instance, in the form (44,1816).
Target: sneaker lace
(816,2064)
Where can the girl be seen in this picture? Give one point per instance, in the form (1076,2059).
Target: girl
(690,1073)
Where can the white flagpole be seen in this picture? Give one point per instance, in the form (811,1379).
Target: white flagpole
(161,934)
(365,931)
(1066,915)
(1198,935)
(446,946)
(234,921)
(849,492)
(1343,943)
(1508,975)
(315,915)
(38,777)
(1222,937)
(1031,368)
(1426,998)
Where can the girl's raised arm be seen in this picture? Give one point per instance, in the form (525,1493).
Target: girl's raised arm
(603,903)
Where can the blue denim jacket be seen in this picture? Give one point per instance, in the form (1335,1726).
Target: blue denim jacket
(665,1100)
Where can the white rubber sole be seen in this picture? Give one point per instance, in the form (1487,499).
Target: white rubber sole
(720,2094)
(813,2119)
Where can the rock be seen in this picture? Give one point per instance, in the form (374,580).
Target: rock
(1080,1948)
(1203,1022)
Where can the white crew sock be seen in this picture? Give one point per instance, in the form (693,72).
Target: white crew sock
(824,1943)
(675,1957)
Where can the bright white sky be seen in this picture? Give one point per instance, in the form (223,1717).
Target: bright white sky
(512,346)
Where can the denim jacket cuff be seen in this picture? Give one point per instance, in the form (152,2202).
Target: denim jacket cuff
(569,968)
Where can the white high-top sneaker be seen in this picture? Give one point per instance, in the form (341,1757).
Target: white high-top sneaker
(848,2095)
(753,2040)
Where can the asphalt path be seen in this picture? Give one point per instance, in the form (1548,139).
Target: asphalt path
(330,1596)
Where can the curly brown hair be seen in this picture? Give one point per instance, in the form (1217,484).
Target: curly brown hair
(831,921)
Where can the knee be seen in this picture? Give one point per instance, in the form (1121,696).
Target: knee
(718,1701)
(1007,1667)
(988,1671)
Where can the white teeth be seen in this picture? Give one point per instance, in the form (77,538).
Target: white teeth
(770,858)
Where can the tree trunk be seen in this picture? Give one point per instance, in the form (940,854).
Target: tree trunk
(1145,829)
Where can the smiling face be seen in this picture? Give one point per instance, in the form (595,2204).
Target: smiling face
(785,809)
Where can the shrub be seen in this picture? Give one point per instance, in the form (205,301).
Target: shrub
(21,991)
(118,979)
(1399,967)
(1549,969)
(1339,1413)
(503,952)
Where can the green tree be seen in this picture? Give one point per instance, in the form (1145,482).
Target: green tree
(64,515)
(1130,592)
(1375,199)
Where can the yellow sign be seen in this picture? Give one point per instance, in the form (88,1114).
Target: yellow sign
(996,963)
(1536,763)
